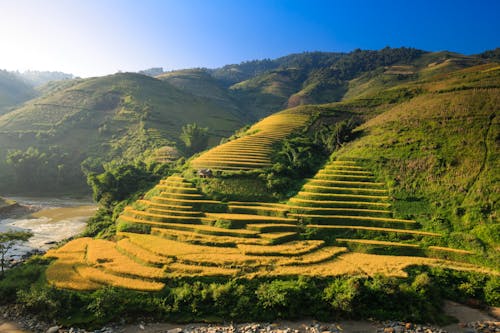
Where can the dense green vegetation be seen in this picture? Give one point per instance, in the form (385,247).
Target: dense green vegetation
(418,297)
(13,91)
(423,123)
(129,116)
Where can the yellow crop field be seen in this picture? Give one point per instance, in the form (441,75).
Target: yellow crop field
(62,274)
(374,242)
(171,248)
(334,202)
(77,245)
(355,217)
(102,253)
(403,231)
(184,242)
(294,248)
(321,255)
(190,237)
(277,235)
(96,275)
(447,249)
(181,270)
(358,264)
(125,245)
(306,194)
(154,204)
(249,217)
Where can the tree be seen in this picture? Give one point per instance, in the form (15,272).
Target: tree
(8,239)
(195,138)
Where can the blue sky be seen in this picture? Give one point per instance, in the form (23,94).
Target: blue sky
(97,37)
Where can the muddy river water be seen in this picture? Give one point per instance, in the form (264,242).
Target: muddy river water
(54,219)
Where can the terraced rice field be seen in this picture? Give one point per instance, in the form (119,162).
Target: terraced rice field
(175,231)
(252,151)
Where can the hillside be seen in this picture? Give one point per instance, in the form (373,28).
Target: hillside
(320,210)
(131,116)
(416,186)
(13,91)
(122,116)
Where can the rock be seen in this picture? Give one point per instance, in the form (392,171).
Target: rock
(53,329)
(175,330)
(389,330)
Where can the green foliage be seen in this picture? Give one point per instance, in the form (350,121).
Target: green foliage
(334,136)
(119,180)
(7,240)
(417,298)
(341,293)
(119,185)
(37,169)
(20,277)
(194,137)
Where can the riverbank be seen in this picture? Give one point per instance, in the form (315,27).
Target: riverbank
(51,220)
(470,320)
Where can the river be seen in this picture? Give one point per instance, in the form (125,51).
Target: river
(54,219)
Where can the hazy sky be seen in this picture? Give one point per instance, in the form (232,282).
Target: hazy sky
(97,37)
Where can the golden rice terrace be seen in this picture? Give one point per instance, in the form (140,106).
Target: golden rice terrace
(339,223)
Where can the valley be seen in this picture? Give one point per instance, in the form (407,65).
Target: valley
(316,184)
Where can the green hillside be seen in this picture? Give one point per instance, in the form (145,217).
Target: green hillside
(13,91)
(123,116)
(131,116)
(391,191)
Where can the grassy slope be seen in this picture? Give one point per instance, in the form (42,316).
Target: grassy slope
(118,116)
(13,91)
(439,152)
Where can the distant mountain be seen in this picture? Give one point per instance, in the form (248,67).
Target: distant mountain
(39,78)
(13,91)
(129,116)
(154,71)
(124,116)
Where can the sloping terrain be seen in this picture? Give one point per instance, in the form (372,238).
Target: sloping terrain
(177,232)
(123,116)
(417,186)
(253,149)
(13,91)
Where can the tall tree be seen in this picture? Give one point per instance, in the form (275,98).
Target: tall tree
(195,138)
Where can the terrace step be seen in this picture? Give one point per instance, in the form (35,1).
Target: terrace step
(290,249)
(258,210)
(175,195)
(374,242)
(338,203)
(198,228)
(220,158)
(177,189)
(183,202)
(357,178)
(340,196)
(174,212)
(272,227)
(357,220)
(204,239)
(345,183)
(344,172)
(241,220)
(140,215)
(338,189)
(340,211)
(363,228)
(342,167)
(279,237)
(164,206)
